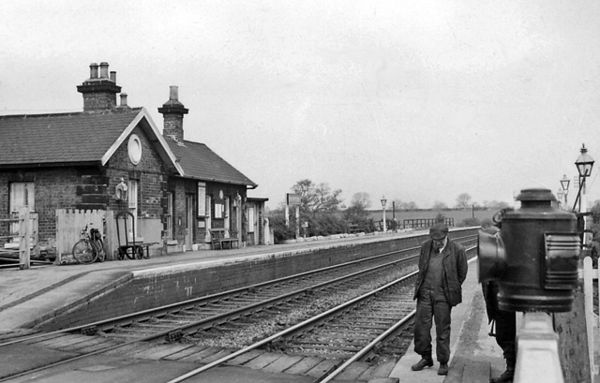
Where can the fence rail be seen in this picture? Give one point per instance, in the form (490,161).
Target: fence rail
(424,223)
(22,226)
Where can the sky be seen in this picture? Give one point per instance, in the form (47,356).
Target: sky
(415,100)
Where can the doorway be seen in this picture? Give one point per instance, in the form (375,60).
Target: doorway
(189,221)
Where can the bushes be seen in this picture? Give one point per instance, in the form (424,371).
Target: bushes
(280,231)
(321,224)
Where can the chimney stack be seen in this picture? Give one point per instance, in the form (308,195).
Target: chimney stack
(104,69)
(173,92)
(123,100)
(93,70)
(173,112)
(99,92)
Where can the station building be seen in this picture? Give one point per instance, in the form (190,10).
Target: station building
(113,159)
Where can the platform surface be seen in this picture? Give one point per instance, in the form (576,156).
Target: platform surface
(36,292)
(25,294)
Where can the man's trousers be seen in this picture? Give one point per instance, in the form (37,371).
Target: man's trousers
(427,308)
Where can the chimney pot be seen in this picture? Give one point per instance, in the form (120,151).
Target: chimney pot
(123,99)
(93,70)
(173,92)
(113,76)
(103,69)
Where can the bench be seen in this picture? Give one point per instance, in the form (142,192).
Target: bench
(221,238)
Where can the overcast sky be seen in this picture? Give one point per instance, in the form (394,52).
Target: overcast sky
(415,100)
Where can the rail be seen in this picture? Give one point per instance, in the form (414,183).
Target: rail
(311,321)
(173,332)
(155,316)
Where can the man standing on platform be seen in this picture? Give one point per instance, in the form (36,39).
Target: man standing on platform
(504,322)
(442,270)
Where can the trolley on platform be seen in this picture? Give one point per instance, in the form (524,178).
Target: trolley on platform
(129,247)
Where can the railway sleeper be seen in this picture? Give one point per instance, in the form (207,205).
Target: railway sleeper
(174,336)
(91,330)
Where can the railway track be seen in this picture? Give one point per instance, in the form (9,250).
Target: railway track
(350,333)
(173,332)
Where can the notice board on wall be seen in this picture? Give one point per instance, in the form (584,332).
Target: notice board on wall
(201,199)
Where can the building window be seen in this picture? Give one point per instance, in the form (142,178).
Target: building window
(170,216)
(22,194)
(134,149)
(251,223)
(132,198)
(218,211)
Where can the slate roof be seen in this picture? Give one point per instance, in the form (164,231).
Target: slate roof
(200,162)
(61,137)
(92,137)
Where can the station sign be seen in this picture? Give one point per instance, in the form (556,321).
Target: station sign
(292,199)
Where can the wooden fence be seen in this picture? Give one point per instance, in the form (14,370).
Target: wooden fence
(19,237)
(590,292)
(69,225)
(424,223)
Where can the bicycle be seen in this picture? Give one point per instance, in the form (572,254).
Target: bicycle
(90,247)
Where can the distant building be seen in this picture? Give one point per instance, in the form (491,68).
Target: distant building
(114,158)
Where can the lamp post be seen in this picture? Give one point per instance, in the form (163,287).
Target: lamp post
(584,164)
(383,203)
(560,197)
(564,184)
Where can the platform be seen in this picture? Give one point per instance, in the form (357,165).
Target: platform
(474,354)
(27,294)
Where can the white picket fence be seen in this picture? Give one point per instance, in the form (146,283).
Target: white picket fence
(591,280)
(70,223)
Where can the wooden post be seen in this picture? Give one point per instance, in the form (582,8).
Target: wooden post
(297,221)
(34,234)
(24,251)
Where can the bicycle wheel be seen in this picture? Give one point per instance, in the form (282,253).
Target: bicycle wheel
(139,252)
(83,252)
(130,252)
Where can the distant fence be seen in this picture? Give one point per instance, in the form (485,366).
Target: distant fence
(424,223)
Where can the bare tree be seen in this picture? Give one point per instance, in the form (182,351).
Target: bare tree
(463,201)
(316,198)
(400,205)
(361,200)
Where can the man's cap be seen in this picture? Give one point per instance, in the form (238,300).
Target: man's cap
(438,231)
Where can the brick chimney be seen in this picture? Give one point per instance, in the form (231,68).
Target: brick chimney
(173,112)
(99,91)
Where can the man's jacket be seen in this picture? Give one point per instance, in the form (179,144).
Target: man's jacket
(454,270)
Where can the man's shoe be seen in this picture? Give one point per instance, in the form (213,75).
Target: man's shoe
(506,377)
(443,370)
(422,364)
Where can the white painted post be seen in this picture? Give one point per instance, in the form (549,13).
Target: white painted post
(297,221)
(587,241)
(24,251)
(588,293)
(538,359)
(287,215)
